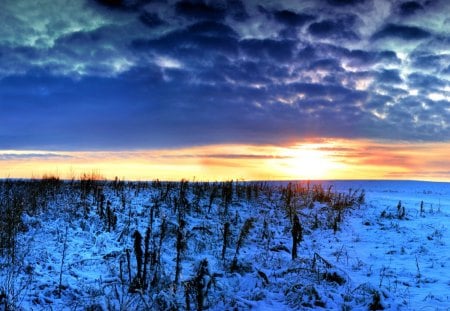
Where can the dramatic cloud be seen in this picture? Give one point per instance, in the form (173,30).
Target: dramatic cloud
(401,32)
(410,7)
(135,74)
(292,19)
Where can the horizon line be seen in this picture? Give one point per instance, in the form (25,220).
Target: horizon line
(194,180)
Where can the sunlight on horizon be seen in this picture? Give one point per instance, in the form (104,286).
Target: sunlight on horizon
(322,159)
(309,161)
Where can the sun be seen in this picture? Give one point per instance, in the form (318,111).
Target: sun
(308,162)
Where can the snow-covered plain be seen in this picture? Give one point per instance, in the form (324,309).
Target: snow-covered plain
(375,257)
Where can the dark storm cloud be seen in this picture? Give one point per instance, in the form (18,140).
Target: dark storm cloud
(145,74)
(151,19)
(193,41)
(116,4)
(430,61)
(236,9)
(326,64)
(337,29)
(292,19)
(276,50)
(122,4)
(361,58)
(410,7)
(345,2)
(401,32)
(389,76)
(212,29)
(425,81)
(200,10)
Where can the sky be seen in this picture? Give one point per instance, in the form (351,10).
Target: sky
(144,89)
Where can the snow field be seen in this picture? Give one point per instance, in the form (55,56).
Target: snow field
(372,255)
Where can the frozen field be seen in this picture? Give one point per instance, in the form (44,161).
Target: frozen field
(408,257)
(76,253)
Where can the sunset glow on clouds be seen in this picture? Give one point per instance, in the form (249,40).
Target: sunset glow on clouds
(225,89)
(332,159)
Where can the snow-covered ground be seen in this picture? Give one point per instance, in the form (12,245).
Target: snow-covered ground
(376,256)
(408,257)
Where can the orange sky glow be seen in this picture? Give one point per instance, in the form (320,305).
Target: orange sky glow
(321,159)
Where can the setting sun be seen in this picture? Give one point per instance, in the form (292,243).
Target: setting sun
(308,162)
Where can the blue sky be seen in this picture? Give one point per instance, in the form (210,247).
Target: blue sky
(135,74)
